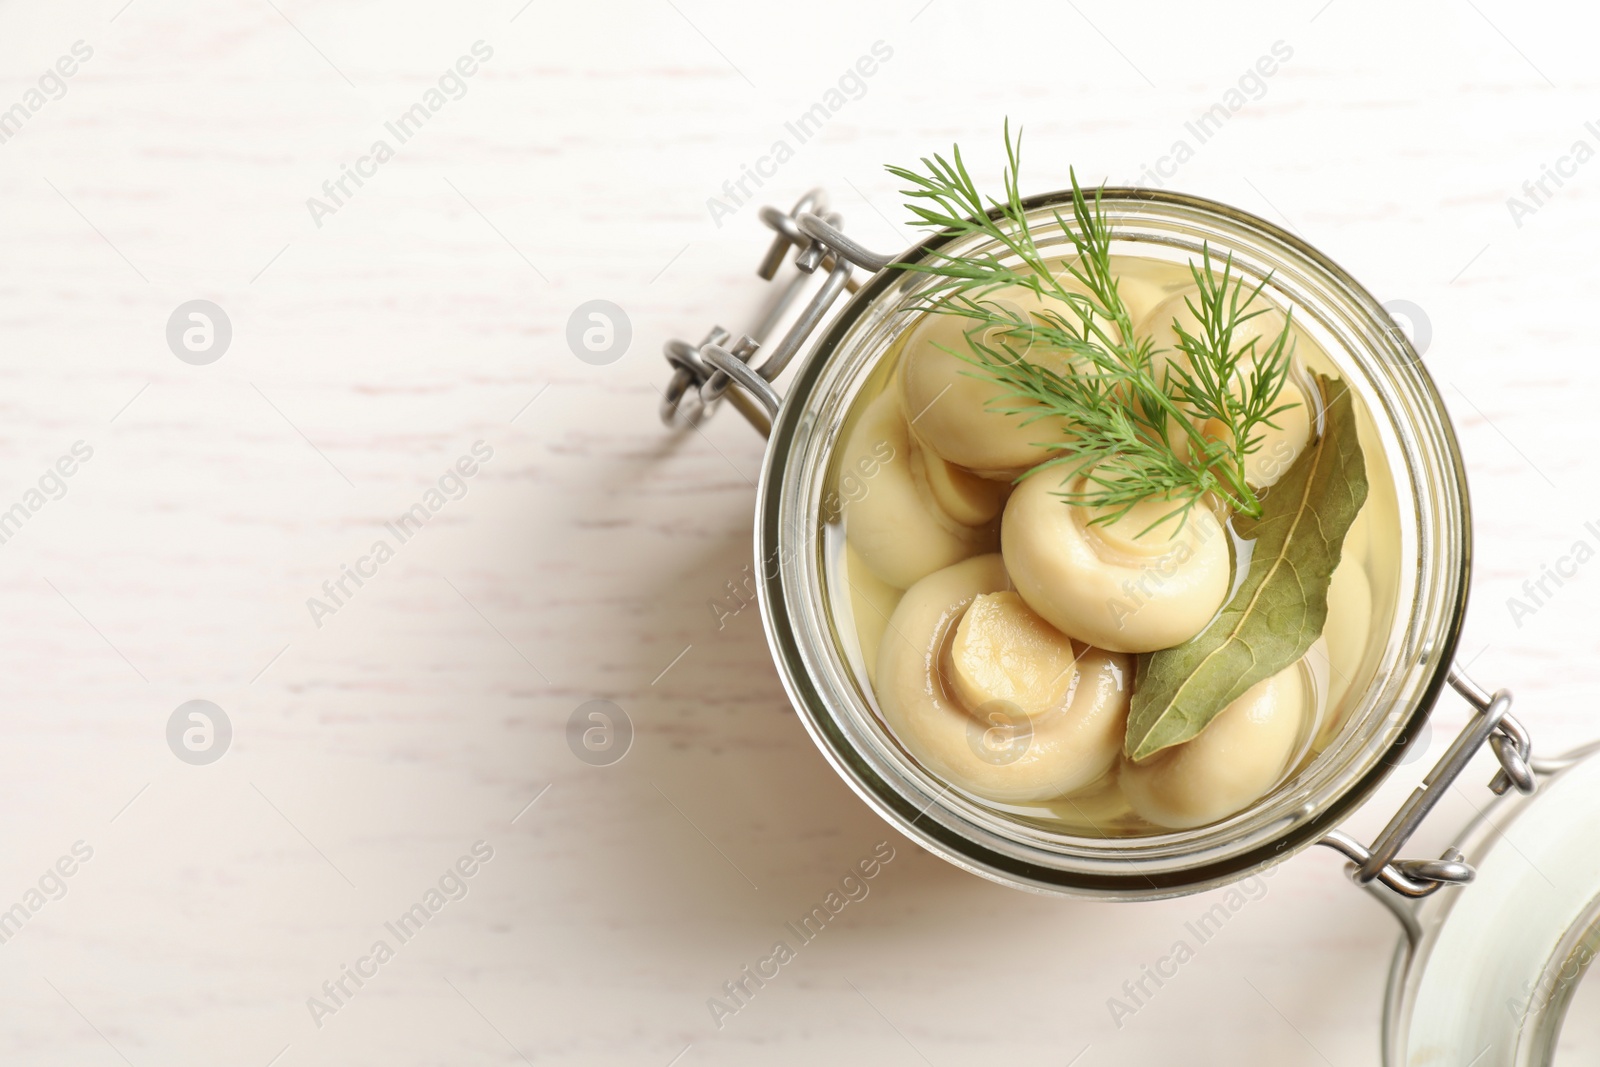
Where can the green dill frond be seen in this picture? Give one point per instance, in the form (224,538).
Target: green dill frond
(1132,435)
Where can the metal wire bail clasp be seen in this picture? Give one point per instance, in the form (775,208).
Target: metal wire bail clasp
(702,374)
(1512,746)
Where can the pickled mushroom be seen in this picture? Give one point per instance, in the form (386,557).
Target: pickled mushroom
(914,514)
(1348,629)
(872,601)
(1105,584)
(954,413)
(1290,432)
(993,699)
(1243,753)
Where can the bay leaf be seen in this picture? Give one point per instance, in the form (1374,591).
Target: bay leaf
(1280,607)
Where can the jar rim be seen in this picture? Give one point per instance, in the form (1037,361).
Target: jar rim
(1167,864)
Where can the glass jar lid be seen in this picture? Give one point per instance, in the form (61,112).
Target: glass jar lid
(1485,973)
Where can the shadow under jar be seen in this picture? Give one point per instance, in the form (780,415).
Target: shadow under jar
(1418,504)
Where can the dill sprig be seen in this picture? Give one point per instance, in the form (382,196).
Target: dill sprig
(1135,433)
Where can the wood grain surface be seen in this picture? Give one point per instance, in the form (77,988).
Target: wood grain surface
(374,344)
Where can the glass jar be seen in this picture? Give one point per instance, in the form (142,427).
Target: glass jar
(798,562)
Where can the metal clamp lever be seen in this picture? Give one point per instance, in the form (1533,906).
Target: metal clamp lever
(705,371)
(1418,878)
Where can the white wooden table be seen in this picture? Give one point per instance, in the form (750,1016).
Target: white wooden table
(374,744)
